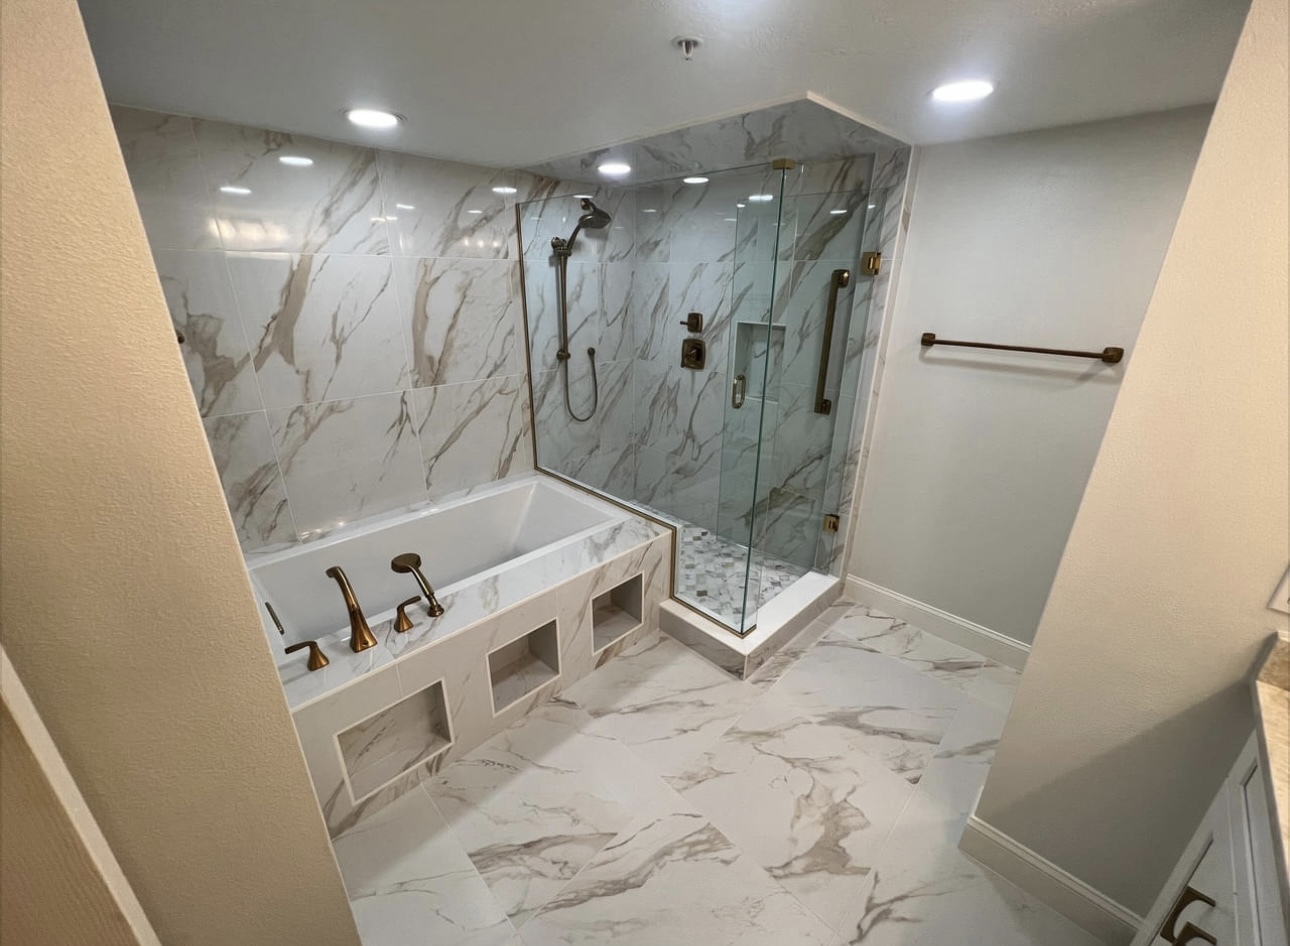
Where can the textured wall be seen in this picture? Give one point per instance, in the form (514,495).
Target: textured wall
(979,459)
(1134,703)
(353,329)
(124,603)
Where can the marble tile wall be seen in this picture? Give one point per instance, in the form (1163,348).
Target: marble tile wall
(353,328)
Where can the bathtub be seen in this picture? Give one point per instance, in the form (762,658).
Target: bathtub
(460,543)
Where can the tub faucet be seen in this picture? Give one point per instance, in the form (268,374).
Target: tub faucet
(360,635)
(411,562)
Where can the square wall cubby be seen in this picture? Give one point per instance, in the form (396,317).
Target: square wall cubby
(526,663)
(395,740)
(616,613)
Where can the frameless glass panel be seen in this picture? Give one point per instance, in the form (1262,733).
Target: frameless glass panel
(820,310)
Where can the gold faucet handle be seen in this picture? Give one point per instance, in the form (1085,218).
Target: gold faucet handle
(317,659)
(401,620)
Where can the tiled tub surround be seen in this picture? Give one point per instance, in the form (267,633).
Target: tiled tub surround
(352,327)
(659,801)
(427,696)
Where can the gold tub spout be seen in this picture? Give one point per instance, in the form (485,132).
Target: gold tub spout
(360,635)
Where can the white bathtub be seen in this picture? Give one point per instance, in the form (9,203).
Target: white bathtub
(460,542)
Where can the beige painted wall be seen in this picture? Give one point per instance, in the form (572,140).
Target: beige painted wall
(1134,703)
(979,459)
(123,601)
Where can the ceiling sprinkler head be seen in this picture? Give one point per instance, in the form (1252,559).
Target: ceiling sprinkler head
(687,45)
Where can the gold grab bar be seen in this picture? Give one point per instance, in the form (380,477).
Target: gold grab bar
(1112,356)
(841,278)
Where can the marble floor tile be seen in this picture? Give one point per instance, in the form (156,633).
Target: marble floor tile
(925,892)
(536,802)
(894,713)
(663,701)
(671,878)
(779,663)
(884,634)
(410,882)
(995,686)
(802,801)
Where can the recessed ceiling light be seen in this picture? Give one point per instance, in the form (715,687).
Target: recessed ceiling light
(614,169)
(741,206)
(372,118)
(969,90)
(406,206)
(649,210)
(296,161)
(505,190)
(695,180)
(838,211)
(761,198)
(231,189)
(871,206)
(474,211)
(582,197)
(732,220)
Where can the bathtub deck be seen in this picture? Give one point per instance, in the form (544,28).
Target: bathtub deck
(662,801)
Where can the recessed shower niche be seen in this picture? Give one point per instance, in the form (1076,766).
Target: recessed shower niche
(397,739)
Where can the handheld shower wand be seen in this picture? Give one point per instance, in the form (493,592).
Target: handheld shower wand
(593,218)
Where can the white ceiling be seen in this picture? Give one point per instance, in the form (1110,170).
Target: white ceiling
(516,82)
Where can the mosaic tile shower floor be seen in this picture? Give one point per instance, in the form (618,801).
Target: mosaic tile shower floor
(661,801)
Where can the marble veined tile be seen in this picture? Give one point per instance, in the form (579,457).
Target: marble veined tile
(473,432)
(320,327)
(332,205)
(672,877)
(342,460)
(462,316)
(200,297)
(446,209)
(896,714)
(248,470)
(666,702)
(410,882)
(801,799)
(534,804)
(883,634)
(995,686)
(166,174)
(925,892)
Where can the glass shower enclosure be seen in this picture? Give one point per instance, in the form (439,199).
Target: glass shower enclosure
(694,349)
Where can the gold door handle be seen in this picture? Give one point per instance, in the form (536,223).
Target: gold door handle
(317,659)
(738,391)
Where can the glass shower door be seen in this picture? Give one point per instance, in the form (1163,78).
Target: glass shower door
(754,356)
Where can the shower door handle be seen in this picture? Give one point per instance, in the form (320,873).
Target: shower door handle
(841,278)
(738,391)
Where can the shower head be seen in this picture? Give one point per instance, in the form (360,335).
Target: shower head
(593,218)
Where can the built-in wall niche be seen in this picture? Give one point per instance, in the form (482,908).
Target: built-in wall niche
(616,613)
(526,663)
(396,740)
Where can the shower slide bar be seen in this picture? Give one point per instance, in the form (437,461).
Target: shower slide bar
(1112,356)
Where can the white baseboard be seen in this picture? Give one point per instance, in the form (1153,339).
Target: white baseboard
(1106,919)
(951,627)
